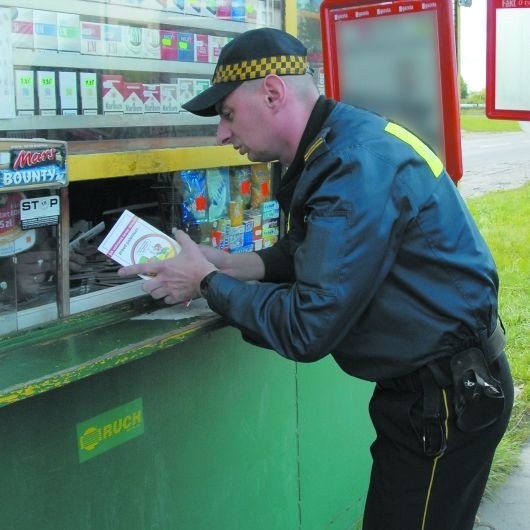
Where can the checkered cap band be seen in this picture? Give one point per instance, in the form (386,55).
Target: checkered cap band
(258,68)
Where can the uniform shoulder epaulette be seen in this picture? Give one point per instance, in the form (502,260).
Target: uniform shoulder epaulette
(316,148)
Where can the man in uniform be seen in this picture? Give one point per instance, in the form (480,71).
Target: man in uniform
(381,266)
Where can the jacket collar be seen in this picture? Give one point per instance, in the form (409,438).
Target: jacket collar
(321,111)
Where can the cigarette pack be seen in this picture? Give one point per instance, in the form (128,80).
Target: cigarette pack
(215,45)
(169,98)
(255,12)
(151,43)
(168,45)
(132,240)
(151,98)
(45,30)
(22,28)
(201,85)
(238,10)
(132,98)
(25,92)
(185,42)
(201,48)
(89,92)
(68,92)
(46,90)
(112,93)
(91,41)
(68,35)
(132,45)
(186,91)
(7,80)
(224,9)
(113,40)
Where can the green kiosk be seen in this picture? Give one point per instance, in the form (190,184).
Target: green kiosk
(136,415)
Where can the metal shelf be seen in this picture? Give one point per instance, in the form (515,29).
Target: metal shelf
(103,120)
(48,59)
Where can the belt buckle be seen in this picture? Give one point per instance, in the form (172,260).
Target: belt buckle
(432,430)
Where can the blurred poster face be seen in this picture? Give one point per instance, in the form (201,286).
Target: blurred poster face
(390,65)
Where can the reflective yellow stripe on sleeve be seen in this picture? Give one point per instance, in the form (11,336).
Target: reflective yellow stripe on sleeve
(432,160)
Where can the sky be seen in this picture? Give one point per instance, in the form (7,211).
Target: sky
(473,45)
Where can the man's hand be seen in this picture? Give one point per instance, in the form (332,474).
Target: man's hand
(177,279)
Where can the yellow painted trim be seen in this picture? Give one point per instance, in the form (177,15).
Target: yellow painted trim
(429,493)
(435,462)
(291,17)
(95,166)
(446,405)
(432,160)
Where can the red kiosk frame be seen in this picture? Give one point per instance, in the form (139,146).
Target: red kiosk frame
(502,107)
(442,37)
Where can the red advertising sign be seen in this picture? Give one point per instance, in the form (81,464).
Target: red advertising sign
(397,58)
(508,60)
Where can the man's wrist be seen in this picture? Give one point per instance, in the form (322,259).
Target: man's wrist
(205,283)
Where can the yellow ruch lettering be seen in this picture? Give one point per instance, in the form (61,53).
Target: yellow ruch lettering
(107,431)
(136,418)
(127,422)
(116,426)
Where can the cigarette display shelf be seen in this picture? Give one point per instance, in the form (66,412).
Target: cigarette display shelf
(104,62)
(146,14)
(131,13)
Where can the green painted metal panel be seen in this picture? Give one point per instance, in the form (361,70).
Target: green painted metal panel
(335,435)
(233,437)
(218,448)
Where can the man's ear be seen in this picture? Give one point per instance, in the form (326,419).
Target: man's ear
(274,90)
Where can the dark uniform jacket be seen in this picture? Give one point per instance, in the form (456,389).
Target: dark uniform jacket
(382,265)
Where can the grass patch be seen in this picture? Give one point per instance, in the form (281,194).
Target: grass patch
(474,120)
(503,220)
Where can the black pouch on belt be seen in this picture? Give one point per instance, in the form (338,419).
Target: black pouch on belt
(479,399)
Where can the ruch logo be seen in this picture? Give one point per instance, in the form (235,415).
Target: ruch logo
(110,429)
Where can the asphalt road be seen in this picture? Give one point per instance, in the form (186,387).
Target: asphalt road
(494,161)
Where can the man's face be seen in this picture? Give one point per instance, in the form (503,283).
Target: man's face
(244,120)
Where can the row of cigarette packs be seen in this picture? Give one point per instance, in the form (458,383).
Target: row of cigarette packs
(250,11)
(65,32)
(49,92)
(260,229)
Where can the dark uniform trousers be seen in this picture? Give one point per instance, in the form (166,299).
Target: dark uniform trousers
(410,490)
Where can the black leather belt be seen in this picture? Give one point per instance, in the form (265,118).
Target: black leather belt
(492,346)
